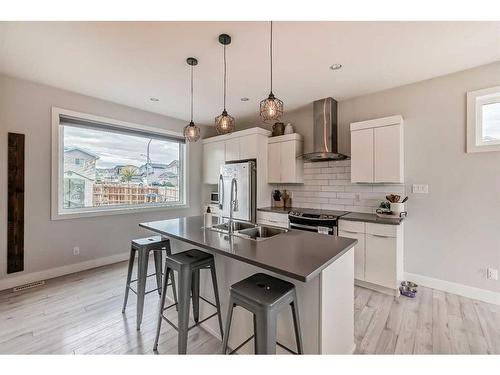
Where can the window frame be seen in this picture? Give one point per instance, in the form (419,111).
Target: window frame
(57,170)
(475,100)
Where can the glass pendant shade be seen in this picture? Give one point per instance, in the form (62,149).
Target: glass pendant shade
(224,123)
(271,109)
(191,132)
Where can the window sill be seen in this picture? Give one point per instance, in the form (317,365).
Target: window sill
(115,211)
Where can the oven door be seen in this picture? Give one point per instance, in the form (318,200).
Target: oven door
(314,228)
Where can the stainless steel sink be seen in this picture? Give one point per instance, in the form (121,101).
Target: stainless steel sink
(260,232)
(237,226)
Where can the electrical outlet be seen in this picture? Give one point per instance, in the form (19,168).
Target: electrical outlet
(492,274)
(76,250)
(420,189)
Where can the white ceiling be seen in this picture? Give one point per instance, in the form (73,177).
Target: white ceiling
(129,62)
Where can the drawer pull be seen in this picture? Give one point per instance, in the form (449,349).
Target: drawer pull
(350,231)
(379,235)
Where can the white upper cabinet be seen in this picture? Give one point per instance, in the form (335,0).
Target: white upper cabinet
(377,150)
(283,165)
(362,155)
(240,145)
(213,158)
(388,160)
(232,149)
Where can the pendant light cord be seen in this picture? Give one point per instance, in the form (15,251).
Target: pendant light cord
(224,77)
(191,93)
(271,55)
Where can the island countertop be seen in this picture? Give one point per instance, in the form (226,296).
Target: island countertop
(296,254)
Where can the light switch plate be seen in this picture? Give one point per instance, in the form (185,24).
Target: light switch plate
(420,189)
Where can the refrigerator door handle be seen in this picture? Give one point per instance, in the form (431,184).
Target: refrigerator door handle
(221,192)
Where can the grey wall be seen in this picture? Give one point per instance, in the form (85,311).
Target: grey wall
(25,107)
(452,233)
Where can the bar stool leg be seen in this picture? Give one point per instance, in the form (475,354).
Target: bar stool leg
(157,256)
(174,289)
(296,325)
(266,333)
(254,333)
(195,295)
(185,276)
(228,324)
(216,295)
(161,305)
(141,285)
(129,277)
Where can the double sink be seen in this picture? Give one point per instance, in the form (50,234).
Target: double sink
(249,231)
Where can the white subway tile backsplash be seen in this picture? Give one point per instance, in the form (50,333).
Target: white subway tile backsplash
(340,201)
(346,195)
(327,185)
(333,170)
(340,163)
(332,188)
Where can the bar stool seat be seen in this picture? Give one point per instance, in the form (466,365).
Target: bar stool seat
(263,289)
(143,247)
(190,257)
(264,296)
(188,265)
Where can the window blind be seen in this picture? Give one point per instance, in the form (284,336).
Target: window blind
(89,124)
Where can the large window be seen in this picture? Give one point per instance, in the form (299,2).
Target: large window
(106,166)
(483,120)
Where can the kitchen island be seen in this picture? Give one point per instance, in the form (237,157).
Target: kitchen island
(320,266)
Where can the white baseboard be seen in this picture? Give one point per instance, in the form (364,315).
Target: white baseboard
(455,288)
(10,282)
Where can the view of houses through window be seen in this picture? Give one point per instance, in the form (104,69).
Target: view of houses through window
(107,168)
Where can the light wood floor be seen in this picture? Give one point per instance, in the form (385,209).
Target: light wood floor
(81,314)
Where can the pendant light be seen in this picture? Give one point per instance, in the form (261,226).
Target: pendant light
(191,131)
(271,108)
(224,123)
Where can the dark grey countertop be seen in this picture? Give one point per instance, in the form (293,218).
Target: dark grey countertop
(297,254)
(370,218)
(351,216)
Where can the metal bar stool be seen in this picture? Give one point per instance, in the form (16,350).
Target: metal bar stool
(188,265)
(143,247)
(264,296)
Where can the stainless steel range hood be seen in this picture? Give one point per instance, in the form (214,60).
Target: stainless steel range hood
(324,132)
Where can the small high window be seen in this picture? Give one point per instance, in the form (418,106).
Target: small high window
(483,120)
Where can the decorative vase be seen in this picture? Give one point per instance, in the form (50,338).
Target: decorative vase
(289,129)
(278,129)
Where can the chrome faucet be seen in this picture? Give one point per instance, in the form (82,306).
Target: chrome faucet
(233,203)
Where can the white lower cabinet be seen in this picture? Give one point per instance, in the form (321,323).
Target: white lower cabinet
(355,230)
(381,260)
(378,255)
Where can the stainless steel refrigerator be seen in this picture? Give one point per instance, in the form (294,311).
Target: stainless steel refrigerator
(244,174)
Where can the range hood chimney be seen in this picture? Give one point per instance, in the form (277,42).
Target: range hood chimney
(325,138)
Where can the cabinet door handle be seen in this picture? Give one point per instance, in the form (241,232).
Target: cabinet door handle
(379,235)
(221,191)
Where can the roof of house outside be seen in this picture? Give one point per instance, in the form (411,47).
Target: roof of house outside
(70,149)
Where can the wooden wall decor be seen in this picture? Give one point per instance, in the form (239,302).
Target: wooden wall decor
(15,206)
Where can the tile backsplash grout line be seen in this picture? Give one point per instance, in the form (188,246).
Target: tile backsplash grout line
(327,185)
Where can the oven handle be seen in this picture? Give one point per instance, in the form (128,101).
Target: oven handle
(315,228)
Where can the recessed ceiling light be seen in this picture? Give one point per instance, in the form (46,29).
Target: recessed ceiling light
(154,99)
(245,99)
(335,66)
